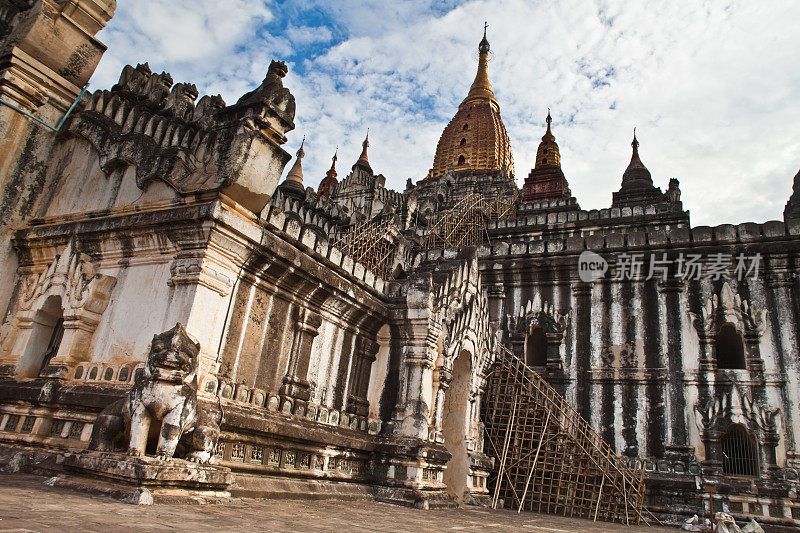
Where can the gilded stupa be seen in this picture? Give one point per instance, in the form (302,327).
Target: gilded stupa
(475,139)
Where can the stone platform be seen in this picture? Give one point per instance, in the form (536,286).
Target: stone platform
(121,475)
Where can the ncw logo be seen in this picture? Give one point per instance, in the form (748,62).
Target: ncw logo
(591,266)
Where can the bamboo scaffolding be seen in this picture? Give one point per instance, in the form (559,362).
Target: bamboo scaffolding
(557,464)
(371,243)
(535,459)
(465,223)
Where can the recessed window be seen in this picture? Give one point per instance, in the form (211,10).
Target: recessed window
(729,348)
(462,160)
(466,127)
(463,142)
(536,347)
(739,451)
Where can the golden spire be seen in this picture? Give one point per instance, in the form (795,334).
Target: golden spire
(296,173)
(481,88)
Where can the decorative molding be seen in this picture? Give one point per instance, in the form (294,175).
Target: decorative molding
(729,307)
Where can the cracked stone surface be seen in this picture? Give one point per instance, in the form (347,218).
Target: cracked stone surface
(27,504)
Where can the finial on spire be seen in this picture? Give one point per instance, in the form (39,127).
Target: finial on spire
(329,181)
(636,171)
(363,157)
(295,176)
(483,47)
(548,135)
(332,171)
(481,88)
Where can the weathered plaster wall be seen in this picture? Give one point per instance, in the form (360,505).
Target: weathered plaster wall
(49,53)
(631,357)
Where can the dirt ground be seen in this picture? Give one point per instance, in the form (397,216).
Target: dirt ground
(27,504)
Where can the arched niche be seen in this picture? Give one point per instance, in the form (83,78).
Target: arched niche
(70,288)
(456,426)
(379,371)
(729,348)
(536,347)
(45,337)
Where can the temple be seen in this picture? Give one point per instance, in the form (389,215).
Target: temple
(181,319)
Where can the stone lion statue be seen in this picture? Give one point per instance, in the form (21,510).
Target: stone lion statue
(180,102)
(272,92)
(206,110)
(162,402)
(133,80)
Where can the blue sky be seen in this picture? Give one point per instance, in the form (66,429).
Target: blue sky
(711,85)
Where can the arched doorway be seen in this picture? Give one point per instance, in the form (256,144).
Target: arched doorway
(456,426)
(45,339)
(729,348)
(536,347)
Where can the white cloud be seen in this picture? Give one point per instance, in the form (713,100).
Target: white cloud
(712,85)
(301,36)
(214,44)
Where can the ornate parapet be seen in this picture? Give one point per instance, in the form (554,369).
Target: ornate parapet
(518,237)
(148,123)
